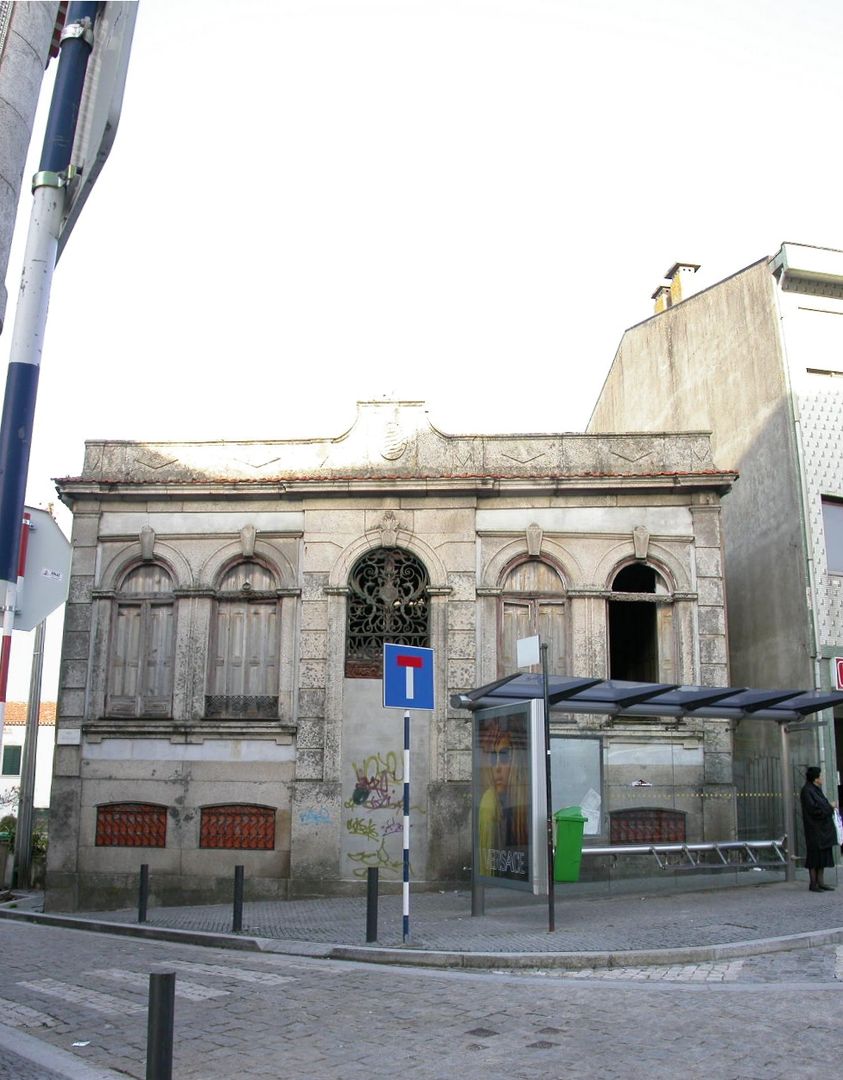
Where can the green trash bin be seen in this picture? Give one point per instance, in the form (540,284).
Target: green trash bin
(570,822)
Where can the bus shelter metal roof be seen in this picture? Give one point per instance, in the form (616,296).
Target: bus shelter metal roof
(617,697)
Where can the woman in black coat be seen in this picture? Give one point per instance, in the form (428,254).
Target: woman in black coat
(820,834)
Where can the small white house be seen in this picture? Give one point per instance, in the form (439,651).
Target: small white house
(11,759)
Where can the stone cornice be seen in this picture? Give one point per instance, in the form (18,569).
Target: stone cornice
(195,731)
(79,489)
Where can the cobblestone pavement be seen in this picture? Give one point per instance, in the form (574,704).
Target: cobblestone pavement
(517,923)
(257,1015)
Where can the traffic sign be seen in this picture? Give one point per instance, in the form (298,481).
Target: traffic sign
(47,571)
(102,101)
(407,677)
(837,662)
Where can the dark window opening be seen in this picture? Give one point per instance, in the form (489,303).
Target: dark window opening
(833,529)
(633,650)
(11,760)
(387,603)
(637,577)
(633,626)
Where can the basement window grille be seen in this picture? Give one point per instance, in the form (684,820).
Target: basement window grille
(647,825)
(244,828)
(131,825)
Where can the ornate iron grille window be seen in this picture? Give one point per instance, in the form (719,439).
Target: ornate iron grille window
(247,828)
(131,825)
(387,602)
(647,825)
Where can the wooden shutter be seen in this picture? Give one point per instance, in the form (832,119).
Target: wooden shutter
(243,669)
(140,676)
(125,661)
(158,650)
(551,627)
(515,624)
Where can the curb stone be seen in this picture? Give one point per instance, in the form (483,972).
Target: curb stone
(443,958)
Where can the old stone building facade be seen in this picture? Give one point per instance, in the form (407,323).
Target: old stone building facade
(220,698)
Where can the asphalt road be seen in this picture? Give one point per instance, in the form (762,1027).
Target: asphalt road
(251,1015)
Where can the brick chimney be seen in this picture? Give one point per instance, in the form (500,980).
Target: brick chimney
(662,298)
(677,286)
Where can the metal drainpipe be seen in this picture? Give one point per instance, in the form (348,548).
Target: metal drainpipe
(810,568)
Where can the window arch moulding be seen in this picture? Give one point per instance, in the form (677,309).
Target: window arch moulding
(127,558)
(499,565)
(663,561)
(436,571)
(268,555)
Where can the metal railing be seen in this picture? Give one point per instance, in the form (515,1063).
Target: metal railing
(691,856)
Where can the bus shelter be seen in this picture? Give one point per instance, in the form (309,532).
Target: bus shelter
(509,730)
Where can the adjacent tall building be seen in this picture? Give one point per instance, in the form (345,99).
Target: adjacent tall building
(757,359)
(220,698)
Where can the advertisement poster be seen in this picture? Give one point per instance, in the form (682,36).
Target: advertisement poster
(503,795)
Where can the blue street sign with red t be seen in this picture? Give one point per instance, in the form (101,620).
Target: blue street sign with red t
(407,677)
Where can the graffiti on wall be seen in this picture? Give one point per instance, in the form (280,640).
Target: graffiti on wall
(377,782)
(375,812)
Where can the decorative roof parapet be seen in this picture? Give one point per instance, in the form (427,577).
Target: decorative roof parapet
(394,440)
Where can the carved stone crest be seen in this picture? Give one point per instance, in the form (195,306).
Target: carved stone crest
(394,441)
(389,530)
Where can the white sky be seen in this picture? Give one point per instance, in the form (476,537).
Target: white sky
(309,203)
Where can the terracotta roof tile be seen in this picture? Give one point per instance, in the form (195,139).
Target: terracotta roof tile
(16,714)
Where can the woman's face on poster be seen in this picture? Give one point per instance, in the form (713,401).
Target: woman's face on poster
(501,761)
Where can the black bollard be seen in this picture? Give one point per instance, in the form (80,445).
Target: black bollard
(372,904)
(143,892)
(159,1031)
(237,917)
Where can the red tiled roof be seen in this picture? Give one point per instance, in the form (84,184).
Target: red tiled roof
(16,714)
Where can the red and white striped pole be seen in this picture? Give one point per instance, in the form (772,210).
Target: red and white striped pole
(12,599)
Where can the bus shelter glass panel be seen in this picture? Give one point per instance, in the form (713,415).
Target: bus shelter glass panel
(576,778)
(509,797)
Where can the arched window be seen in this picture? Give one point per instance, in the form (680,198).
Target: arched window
(244,654)
(640,626)
(140,674)
(533,602)
(387,602)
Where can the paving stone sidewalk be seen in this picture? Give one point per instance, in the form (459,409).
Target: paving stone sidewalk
(517,924)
